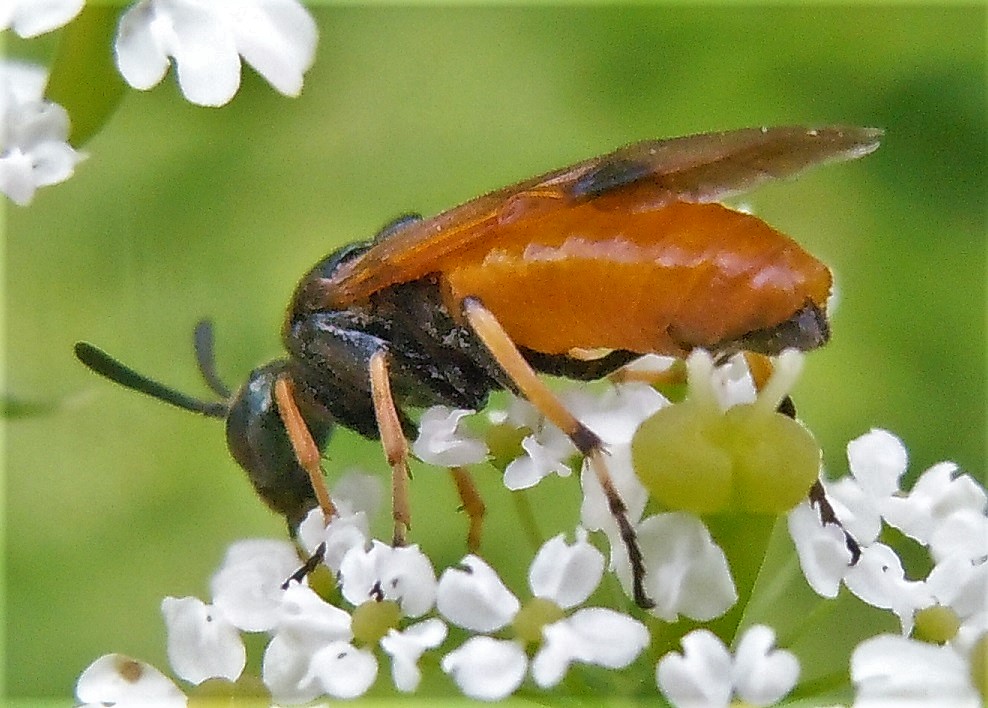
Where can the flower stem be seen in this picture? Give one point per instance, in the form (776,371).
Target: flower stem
(526,519)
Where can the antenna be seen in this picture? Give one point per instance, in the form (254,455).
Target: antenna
(108,367)
(206,358)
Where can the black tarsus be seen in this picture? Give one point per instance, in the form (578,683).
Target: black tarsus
(310,565)
(818,498)
(818,495)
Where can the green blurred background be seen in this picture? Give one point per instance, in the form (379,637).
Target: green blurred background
(113,500)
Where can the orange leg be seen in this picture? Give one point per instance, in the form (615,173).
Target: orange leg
(473,505)
(760,367)
(499,344)
(306,451)
(395,445)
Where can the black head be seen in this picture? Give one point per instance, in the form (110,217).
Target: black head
(255,434)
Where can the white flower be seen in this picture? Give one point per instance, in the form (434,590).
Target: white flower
(34,151)
(247,587)
(879,580)
(938,494)
(961,585)
(613,414)
(29,18)
(344,531)
(539,461)
(823,554)
(595,512)
(207,40)
(561,577)
(311,655)
(403,575)
(441,442)
(115,679)
(315,648)
(406,648)
(686,573)
(356,497)
(486,669)
(381,575)
(706,674)
(944,511)
(890,671)
(202,644)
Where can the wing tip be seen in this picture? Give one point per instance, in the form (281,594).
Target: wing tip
(849,142)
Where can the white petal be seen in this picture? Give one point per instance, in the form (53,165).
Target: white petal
(963,533)
(472,596)
(859,512)
(961,585)
(358,491)
(566,574)
(890,671)
(686,573)
(36,122)
(595,513)
(539,462)
(342,670)
(17,177)
(115,679)
(913,514)
(20,82)
(733,384)
(202,644)
(700,676)
(879,580)
(247,587)
(486,669)
(403,574)
(615,413)
(33,144)
(345,530)
(276,37)
(821,548)
(34,17)
(592,635)
(407,646)
(54,162)
(762,675)
(141,57)
(877,460)
(441,442)
(206,58)
(306,620)
(285,670)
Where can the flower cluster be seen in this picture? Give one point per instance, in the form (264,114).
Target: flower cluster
(369,605)
(205,39)
(34,149)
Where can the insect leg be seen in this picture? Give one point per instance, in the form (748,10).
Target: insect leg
(473,505)
(501,347)
(305,448)
(393,440)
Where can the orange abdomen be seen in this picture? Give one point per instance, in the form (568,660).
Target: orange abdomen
(659,281)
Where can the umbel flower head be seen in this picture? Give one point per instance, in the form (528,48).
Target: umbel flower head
(747,594)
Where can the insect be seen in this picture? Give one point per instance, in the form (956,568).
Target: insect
(572,273)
